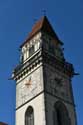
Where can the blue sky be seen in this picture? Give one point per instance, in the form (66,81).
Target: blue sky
(16,20)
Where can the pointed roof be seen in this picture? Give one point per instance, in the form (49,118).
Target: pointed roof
(42,25)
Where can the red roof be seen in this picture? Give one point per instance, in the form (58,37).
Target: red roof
(1,123)
(41,25)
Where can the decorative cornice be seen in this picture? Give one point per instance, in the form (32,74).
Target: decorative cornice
(42,56)
(61,65)
(22,69)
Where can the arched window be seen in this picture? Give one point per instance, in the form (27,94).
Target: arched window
(60,114)
(29,116)
(31,50)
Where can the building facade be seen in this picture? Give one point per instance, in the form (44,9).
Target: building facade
(44,80)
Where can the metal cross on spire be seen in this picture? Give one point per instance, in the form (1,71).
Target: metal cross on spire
(44,12)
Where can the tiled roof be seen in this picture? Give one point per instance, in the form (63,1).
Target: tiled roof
(41,25)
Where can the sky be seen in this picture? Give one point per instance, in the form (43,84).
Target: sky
(16,20)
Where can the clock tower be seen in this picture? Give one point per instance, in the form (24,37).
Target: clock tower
(44,80)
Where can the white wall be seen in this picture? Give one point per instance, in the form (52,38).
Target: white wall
(39,114)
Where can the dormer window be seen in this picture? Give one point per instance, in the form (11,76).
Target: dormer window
(31,50)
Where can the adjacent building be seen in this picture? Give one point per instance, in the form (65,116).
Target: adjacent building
(1,123)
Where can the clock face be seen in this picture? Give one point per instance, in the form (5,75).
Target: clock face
(55,84)
(29,87)
(58,85)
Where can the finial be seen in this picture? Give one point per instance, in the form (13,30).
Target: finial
(44,12)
